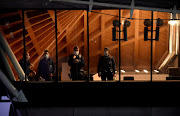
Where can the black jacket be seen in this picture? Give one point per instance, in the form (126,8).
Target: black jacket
(106,63)
(46,67)
(25,66)
(76,67)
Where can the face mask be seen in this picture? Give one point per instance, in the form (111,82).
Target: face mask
(76,52)
(105,53)
(46,56)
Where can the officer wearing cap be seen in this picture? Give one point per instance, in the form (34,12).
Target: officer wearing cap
(76,61)
(106,66)
(46,68)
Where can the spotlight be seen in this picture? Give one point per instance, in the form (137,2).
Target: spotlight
(126,23)
(172,22)
(145,71)
(123,71)
(125,33)
(145,33)
(157,34)
(159,22)
(137,71)
(116,23)
(156,71)
(113,34)
(147,22)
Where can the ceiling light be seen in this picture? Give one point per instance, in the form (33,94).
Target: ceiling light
(123,71)
(145,71)
(137,71)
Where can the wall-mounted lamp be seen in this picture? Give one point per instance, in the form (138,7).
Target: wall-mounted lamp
(147,23)
(126,23)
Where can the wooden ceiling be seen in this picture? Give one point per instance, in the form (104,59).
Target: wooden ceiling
(72,31)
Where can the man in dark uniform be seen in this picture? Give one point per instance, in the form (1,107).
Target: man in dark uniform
(76,61)
(106,66)
(26,65)
(46,68)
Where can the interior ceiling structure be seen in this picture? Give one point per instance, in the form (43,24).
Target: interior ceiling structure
(59,4)
(72,30)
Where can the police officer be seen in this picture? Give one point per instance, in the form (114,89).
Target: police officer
(76,61)
(46,68)
(26,65)
(106,66)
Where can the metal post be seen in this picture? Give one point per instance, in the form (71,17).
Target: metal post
(88,42)
(151,43)
(24,43)
(18,96)
(6,65)
(120,46)
(12,57)
(56,46)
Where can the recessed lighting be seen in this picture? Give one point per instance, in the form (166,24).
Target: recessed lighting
(123,71)
(156,71)
(145,71)
(137,71)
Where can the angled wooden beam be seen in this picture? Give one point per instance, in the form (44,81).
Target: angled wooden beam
(31,33)
(136,37)
(52,15)
(93,17)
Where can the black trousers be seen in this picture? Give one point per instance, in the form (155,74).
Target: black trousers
(76,76)
(106,75)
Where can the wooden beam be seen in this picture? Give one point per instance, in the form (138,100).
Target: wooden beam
(136,37)
(52,15)
(31,33)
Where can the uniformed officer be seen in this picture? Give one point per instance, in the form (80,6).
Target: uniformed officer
(76,61)
(26,65)
(106,66)
(46,68)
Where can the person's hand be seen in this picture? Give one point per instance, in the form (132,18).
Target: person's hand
(74,57)
(99,74)
(51,74)
(76,60)
(34,72)
(114,75)
(80,55)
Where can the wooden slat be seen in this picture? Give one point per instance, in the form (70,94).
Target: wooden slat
(20,39)
(11,24)
(44,31)
(8,14)
(42,27)
(64,16)
(40,21)
(30,18)
(17,31)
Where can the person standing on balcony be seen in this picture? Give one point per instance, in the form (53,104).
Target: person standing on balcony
(46,68)
(76,61)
